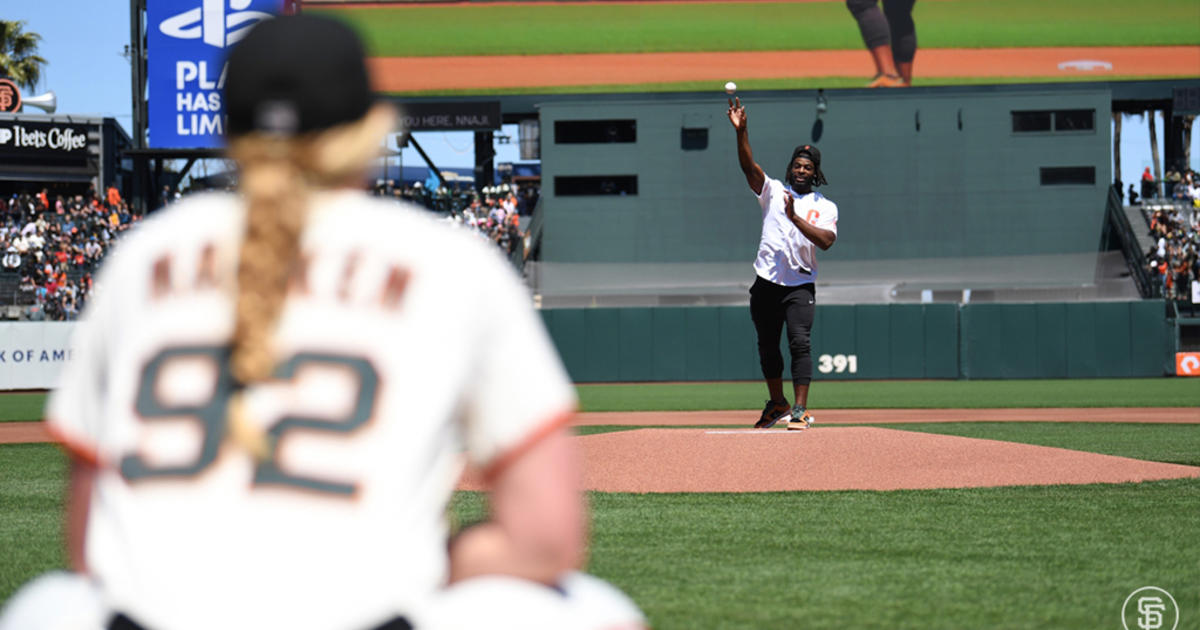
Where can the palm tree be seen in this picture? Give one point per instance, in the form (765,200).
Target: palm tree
(19,60)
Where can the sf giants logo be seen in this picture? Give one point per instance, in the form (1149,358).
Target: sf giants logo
(812,216)
(10,96)
(213,23)
(1152,609)
(1150,612)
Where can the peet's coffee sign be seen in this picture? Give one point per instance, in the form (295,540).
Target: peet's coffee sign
(44,139)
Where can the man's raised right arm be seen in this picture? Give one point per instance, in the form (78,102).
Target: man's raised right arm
(754,173)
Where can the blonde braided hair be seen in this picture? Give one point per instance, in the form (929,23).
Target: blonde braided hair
(278,176)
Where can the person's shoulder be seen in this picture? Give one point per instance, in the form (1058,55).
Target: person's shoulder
(392,224)
(190,218)
(771,187)
(205,207)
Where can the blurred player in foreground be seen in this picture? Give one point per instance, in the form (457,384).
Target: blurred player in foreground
(796,221)
(270,397)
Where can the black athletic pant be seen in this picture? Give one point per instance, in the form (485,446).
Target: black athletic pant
(771,305)
(894,25)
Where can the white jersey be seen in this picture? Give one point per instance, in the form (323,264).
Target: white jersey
(402,343)
(785,255)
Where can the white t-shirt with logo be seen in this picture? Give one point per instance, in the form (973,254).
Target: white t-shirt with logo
(785,255)
(402,344)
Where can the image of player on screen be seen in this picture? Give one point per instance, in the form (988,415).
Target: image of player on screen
(890,36)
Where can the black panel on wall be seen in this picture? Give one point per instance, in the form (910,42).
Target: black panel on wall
(595,131)
(590,185)
(1068,175)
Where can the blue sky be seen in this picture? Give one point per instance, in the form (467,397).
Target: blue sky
(84,39)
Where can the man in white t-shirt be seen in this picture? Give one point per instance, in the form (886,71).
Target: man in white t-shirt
(796,221)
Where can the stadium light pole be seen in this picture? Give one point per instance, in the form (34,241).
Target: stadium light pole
(137,48)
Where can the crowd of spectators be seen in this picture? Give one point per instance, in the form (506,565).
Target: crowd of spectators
(51,244)
(1174,259)
(1181,185)
(494,211)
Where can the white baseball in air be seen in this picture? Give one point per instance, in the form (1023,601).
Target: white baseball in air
(730,87)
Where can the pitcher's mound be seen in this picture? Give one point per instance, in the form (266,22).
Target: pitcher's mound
(839,458)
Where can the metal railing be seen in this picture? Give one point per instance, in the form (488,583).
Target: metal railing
(1115,215)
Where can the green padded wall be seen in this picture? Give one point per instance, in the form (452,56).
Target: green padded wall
(873,341)
(1074,340)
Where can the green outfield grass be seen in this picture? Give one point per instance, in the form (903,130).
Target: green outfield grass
(1019,557)
(1022,557)
(1135,392)
(32,482)
(21,407)
(1147,392)
(1169,443)
(801,83)
(548,28)
(1139,392)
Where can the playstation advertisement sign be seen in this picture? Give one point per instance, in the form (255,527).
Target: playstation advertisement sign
(187,42)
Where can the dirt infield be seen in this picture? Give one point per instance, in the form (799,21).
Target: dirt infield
(415,74)
(829,457)
(839,458)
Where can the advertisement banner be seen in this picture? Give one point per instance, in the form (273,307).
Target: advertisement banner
(33,354)
(448,116)
(187,42)
(1187,363)
(20,138)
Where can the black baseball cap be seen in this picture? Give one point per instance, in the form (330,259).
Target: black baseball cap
(808,150)
(295,74)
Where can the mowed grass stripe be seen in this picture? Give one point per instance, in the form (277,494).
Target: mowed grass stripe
(1139,392)
(747,86)
(1167,443)
(553,28)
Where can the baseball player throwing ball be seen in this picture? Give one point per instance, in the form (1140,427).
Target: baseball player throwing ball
(270,398)
(796,220)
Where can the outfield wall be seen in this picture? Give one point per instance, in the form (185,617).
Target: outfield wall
(852,342)
(872,341)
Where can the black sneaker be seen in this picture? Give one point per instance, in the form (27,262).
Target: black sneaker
(800,419)
(775,411)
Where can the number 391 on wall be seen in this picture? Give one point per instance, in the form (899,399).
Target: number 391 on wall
(837,363)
